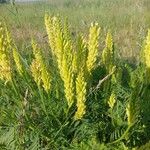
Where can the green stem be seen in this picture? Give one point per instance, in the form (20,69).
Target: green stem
(26,78)
(14,85)
(52,114)
(42,100)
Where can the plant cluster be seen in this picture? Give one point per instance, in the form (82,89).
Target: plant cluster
(73,96)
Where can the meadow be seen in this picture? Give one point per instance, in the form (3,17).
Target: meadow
(75,75)
(127,19)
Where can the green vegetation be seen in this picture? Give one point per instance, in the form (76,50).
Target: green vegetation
(73,86)
(71,97)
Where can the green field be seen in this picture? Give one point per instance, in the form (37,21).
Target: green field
(75,75)
(127,19)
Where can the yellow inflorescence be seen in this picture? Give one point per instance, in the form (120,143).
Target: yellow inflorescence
(59,41)
(93,46)
(147,50)
(130,114)
(5,52)
(109,42)
(68,48)
(50,31)
(46,78)
(80,95)
(67,76)
(112,100)
(18,62)
(70,62)
(108,54)
(80,54)
(36,71)
(39,69)
(147,56)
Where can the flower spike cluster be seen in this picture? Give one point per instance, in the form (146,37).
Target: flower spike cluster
(61,46)
(70,60)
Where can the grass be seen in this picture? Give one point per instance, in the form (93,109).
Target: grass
(127,19)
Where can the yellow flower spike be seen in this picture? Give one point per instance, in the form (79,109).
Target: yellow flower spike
(67,76)
(80,95)
(67,34)
(50,31)
(68,51)
(130,114)
(46,78)
(109,41)
(81,53)
(108,53)
(146,54)
(68,48)
(55,37)
(112,100)
(5,54)
(39,69)
(36,71)
(62,55)
(18,62)
(93,45)
(9,40)
(74,62)
(59,40)
(36,64)
(69,89)
(36,51)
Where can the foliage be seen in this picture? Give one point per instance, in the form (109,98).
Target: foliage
(71,97)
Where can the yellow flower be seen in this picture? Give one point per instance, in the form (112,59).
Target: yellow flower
(61,46)
(80,55)
(147,50)
(93,44)
(5,54)
(46,78)
(146,54)
(67,76)
(112,100)
(18,61)
(80,95)
(50,31)
(36,71)
(108,53)
(39,69)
